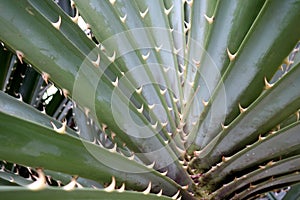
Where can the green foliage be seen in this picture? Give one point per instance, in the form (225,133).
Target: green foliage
(149,99)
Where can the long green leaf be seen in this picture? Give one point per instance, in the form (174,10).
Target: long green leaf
(263,115)
(32,144)
(244,79)
(269,185)
(11,193)
(226,33)
(272,169)
(65,70)
(287,143)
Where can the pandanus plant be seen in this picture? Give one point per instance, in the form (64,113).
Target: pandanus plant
(152,99)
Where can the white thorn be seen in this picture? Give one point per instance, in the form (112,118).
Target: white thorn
(75,18)
(151,106)
(102,48)
(139,91)
(146,56)
(122,188)
(11,179)
(79,185)
(148,189)
(190,2)
(180,74)
(175,100)
(176,195)
(287,61)
(164,124)
(20,56)
(116,82)
(166,69)
(242,109)
(143,14)
(205,103)
(154,126)
(131,157)
(57,24)
(20,97)
(230,55)
(104,126)
(97,62)
(223,126)
(159,193)
(140,110)
(65,92)
(181,161)
(210,20)
(114,149)
(151,165)
(191,83)
(89,36)
(185,187)
(260,138)
(182,152)
(86,111)
(197,63)
(170,108)
(111,187)
(176,51)
(267,84)
(112,135)
(162,92)
(197,153)
(72,3)
(164,173)
(180,116)
(45,76)
(123,19)
(112,2)
(62,129)
(40,183)
(157,49)
(167,11)
(70,186)
(112,58)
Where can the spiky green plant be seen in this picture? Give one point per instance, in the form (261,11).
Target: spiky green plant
(160,99)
